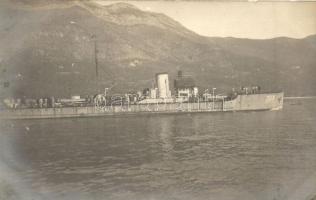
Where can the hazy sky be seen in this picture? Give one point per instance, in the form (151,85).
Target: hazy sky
(239,19)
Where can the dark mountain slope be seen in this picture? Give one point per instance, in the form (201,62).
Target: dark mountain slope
(50,51)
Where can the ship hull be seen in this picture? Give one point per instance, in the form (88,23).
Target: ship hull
(250,102)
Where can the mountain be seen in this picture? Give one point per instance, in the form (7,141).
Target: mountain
(51,49)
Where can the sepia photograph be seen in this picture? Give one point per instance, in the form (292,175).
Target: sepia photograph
(157,100)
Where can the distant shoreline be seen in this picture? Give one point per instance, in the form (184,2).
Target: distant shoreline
(304,97)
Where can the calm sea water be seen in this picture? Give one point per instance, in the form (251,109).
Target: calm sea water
(221,156)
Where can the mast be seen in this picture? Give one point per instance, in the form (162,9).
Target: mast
(96,62)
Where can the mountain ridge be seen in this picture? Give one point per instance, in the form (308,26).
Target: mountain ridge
(55,53)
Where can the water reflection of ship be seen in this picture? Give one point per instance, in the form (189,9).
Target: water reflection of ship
(166,137)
